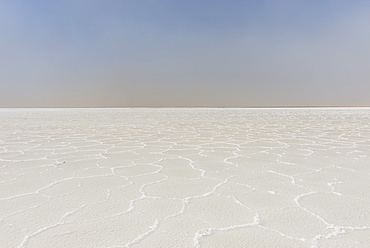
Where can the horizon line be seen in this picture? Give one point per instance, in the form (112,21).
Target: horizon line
(323,106)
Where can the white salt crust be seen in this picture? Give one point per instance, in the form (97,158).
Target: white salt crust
(185,177)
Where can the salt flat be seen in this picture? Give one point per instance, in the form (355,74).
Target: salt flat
(185,177)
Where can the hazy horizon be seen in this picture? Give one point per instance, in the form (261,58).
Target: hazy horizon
(184,53)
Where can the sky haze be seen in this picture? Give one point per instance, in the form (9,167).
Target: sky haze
(171,53)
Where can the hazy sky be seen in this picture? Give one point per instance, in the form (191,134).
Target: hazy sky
(112,53)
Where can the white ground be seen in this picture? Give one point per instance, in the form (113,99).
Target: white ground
(185,177)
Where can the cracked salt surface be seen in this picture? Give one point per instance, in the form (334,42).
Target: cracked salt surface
(185,177)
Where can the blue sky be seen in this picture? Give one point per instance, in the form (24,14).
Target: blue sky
(184,53)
